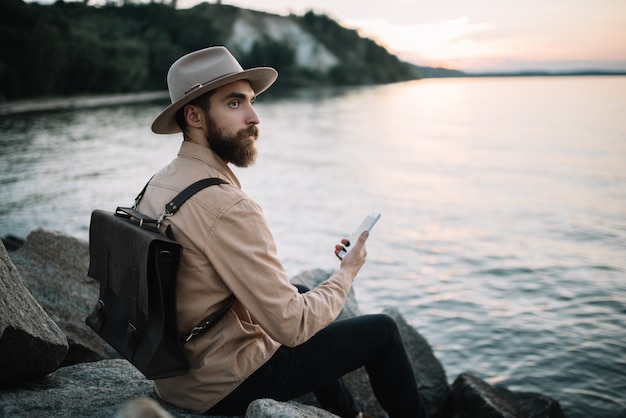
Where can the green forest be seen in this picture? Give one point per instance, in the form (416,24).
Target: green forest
(71,48)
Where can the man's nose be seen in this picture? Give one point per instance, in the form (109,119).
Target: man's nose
(252,118)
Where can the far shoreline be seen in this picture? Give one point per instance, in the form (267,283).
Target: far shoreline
(38,105)
(89,101)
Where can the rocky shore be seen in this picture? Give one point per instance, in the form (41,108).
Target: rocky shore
(53,365)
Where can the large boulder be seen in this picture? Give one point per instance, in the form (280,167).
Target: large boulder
(54,268)
(269,408)
(429,373)
(31,344)
(472,397)
(96,389)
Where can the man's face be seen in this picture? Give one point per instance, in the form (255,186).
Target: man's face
(231,120)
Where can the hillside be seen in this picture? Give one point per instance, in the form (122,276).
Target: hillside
(70,49)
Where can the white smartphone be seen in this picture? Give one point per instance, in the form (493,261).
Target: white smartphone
(367,225)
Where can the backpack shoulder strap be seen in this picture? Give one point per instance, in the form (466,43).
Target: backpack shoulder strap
(172,207)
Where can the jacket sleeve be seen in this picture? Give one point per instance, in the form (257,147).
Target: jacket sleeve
(243,253)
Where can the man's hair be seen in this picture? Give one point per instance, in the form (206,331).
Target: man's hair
(202,102)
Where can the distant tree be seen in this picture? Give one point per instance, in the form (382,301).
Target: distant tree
(267,52)
(363,60)
(70,48)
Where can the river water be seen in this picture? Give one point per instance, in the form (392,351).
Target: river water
(503,230)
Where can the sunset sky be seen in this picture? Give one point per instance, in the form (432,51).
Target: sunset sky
(479,35)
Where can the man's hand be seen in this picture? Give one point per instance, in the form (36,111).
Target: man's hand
(355,258)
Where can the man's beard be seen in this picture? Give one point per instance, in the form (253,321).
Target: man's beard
(237,149)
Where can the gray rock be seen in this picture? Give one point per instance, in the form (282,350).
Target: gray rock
(54,268)
(269,408)
(31,344)
(537,405)
(473,397)
(97,389)
(429,373)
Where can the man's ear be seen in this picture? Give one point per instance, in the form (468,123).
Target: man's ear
(194,116)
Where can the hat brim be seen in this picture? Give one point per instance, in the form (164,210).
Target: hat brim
(260,79)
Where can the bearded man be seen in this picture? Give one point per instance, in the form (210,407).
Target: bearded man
(273,342)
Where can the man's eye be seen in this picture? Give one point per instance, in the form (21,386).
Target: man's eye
(234,104)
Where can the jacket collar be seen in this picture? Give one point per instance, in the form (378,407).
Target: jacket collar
(192,150)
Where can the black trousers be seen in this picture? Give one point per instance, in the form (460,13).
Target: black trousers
(317,366)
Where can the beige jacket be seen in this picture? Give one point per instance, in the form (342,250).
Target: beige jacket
(228,248)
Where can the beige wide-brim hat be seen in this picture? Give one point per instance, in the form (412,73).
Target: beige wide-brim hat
(201,71)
